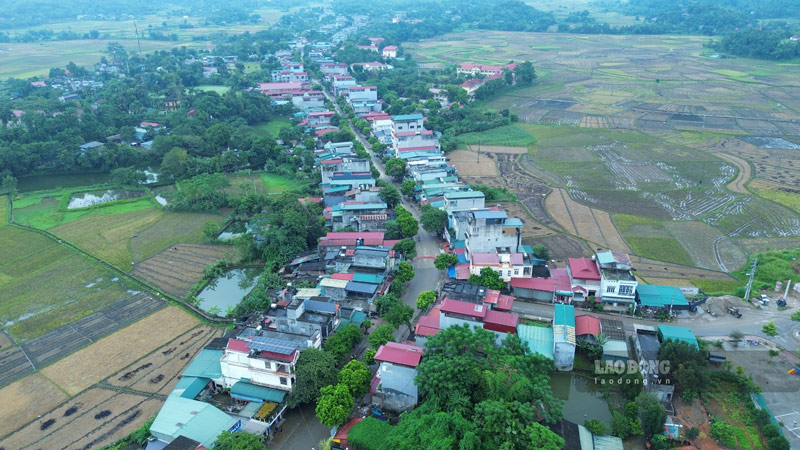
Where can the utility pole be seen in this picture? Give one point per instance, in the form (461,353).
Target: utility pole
(750,281)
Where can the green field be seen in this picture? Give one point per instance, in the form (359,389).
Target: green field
(212,88)
(507,136)
(650,239)
(47,209)
(46,285)
(261,183)
(271,128)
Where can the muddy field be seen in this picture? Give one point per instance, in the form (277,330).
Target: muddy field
(177,268)
(97,361)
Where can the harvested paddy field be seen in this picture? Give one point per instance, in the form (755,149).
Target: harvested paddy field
(24,400)
(158,372)
(532,228)
(589,223)
(177,268)
(659,272)
(97,361)
(76,286)
(470,164)
(96,418)
(646,126)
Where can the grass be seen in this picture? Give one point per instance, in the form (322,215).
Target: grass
(272,128)
(261,183)
(787,199)
(3,210)
(507,136)
(650,239)
(773,266)
(212,88)
(49,285)
(46,210)
(717,287)
(279,183)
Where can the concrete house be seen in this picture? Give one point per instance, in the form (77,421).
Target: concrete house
(617,284)
(585,277)
(190,419)
(329,168)
(394,382)
(486,230)
(262,361)
(477,315)
(319,118)
(555,288)
(463,201)
(563,337)
(390,51)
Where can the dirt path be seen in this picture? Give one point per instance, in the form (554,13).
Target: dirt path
(742,177)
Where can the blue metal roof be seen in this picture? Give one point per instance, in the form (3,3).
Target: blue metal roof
(318,306)
(486,214)
(253,392)
(205,365)
(402,117)
(363,288)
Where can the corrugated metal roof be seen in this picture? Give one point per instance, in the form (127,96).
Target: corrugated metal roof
(564,315)
(247,391)
(333,283)
(538,339)
(678,333)
(195,420)
(660,296)
(189,387)
(402,354)
(373,278)
(487,214)
(363,288)
(463,194)
(205,365)
(308,292)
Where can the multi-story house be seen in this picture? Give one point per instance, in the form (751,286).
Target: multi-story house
(480,69)
(617,284)
(463,201)
(333,68)
(394,380)
(409,134)
(330,167)
(585,278)
(485,230)
(319,118)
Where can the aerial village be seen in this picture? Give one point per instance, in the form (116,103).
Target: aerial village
(242,382)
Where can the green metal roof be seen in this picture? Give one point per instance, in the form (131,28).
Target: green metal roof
(605,257)
(368,278)
(400,117)
(538,339)
(564,315)
(195,420)
(254,392)
(205,365)
(358,317)
(464,194)
(678,333)
(189,387)
(250,409)
(660,296)
(336,189)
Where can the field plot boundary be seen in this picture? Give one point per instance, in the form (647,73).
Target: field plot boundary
(745,174)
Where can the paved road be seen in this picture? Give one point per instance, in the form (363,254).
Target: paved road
(301,431)
(701,325)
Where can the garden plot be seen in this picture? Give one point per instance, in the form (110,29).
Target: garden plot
(655,271)
(690,204)
(759,127)
(532,229)
(626,170)
(743,175)
(755,218)
(497,149)
(171,229)
(97,361)
(177,268)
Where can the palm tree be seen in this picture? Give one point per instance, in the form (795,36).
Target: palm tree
(602,339)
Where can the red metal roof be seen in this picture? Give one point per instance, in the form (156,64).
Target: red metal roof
(587,325)
(462,271)
(428,325)
(535,284)
(492,296)
(343,276)
(495,319)
(486,259)
(563,283)
(237,346)
(320,114)
(400,354)
(355,235)
(460,251)
(412,149)
(463,308)
(338,242)
(504,303)
(278,356)
(389,243)
(584,269)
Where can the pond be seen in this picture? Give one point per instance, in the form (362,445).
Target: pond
(234,230)
(57,181)
(86,199)
(228,290)
(583,400)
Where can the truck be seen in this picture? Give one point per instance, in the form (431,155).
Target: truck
(734,312)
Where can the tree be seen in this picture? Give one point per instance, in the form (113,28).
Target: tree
(693,433)
(620,425)
(778,443)
(722,433)
(385,302)
(334,405)
(445,260)
(407,188)
(434,220)
(369,356)
(382,334)
(687,366)
(356,377)
(407,247)
(426,299)
(370,433)
(343,341)
(400,314)
(541,252)
(489,278)
(525,73)
(595,426)
(239,440)
(175,164)
(405,272)
(396,168)
(409,227)
(210,230)
(390,195)
(314,370)
(8,185)
(770,329)
(652,414)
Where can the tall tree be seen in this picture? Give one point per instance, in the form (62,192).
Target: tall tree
(334,405)
(314,370)
(356,377)
(390,195)
(396,168)
(434,220)
(445,260)
(239,440)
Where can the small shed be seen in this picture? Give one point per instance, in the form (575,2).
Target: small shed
(677,333)
(652,296)
(538,339)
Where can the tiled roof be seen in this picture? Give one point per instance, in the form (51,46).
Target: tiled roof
(584,269)
(501,318)
(463,308)
(585,324)
(401,354)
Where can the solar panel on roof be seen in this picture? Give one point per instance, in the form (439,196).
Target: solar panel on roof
(261,343)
